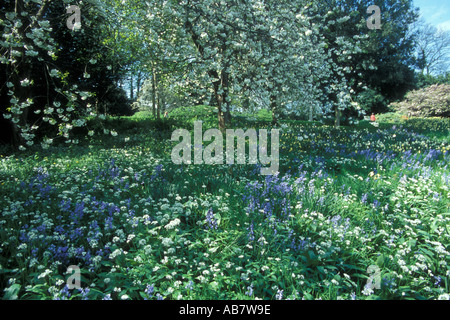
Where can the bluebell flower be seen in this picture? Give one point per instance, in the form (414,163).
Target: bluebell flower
(109,223)
(190,285)
(364,198)
(251,233)
(65,293)
(211,220)
(438,280)
(149,290)
(376,203)
(84,293)
(279,295)
(249,290)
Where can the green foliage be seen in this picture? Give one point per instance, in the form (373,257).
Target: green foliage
(116,103)
(391,118)
(259,115)
(371,100)
(188,115)
(141,227)
(427,80)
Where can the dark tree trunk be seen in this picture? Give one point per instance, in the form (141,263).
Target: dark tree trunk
(225,86)
(131,88)
(220,97)
(138,84)
(338,117)
(153,90)
(273,108)
(158,106)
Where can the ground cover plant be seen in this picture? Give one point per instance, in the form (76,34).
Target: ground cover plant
(140,227)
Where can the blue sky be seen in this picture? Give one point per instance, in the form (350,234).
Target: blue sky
(435,12)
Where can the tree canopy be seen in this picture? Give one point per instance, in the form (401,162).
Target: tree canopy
(291,57)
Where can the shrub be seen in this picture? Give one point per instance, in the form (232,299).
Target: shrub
(116,103)
(371,100)
(390,117)
(433,101)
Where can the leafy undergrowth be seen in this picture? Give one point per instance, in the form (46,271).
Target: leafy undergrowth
(346,201)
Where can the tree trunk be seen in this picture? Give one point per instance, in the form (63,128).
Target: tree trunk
(220,100)
(138,84)
(153,90)
(223,117)
(338,117)
(162,103)
(225,86)
(131,88)
(220,113)
(221,120)
(227,116)
(221,94)
(158,106)
(273,108)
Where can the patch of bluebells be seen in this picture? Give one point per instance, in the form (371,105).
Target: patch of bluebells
(76,235)
(276,190)
(158,174)
(211,222)
(364,198)
(270,201)
(107,297)
(438,280)
(190,285)
(64,293)
(84,293)
(150,293)
(38,185)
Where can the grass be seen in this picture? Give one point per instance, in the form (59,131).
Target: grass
(346,200)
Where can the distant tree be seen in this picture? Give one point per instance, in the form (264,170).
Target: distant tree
(432,49)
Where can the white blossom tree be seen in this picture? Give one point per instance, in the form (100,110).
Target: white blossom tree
(27,41)
(270,53)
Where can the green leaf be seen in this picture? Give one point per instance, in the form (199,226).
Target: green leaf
(12,292)
(380,261)
(412,243)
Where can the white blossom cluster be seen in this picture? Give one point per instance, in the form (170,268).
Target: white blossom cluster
(26,37)
(270,53)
